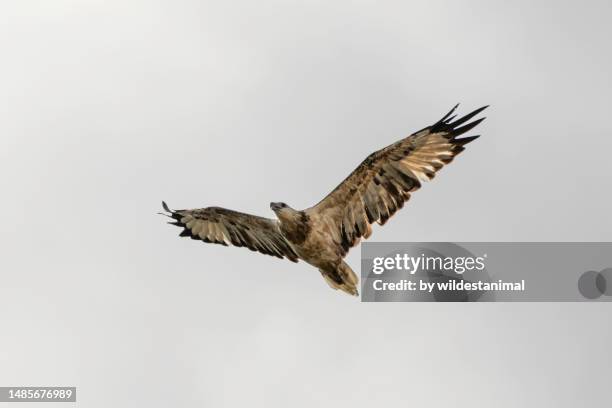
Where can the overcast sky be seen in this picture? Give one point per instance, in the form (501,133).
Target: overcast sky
(108,107)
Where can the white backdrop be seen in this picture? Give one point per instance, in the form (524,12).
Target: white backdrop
(108,107)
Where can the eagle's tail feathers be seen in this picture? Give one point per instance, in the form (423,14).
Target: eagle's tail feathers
(341,277)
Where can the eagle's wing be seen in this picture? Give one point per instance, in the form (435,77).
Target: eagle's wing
(226,227)
(381,184)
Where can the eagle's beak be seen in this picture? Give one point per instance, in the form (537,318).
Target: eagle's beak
(275,206)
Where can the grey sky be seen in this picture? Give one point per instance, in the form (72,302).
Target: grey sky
(109,107)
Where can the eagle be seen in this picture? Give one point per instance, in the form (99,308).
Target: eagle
(323,234)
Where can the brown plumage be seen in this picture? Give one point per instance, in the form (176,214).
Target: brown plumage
(322,235)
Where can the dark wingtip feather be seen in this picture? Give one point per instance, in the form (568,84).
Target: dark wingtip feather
(466,128)
(449,113)
(446,124)
(465,140)
(467,117)
(166,207)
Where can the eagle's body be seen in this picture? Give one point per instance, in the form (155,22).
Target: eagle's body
(312,240)
(322,235)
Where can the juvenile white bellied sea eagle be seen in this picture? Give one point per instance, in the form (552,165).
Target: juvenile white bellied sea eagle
(322,235)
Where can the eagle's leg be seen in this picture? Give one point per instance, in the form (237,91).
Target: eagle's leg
(341,276)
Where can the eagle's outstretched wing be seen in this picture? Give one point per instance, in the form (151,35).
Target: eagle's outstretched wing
(381,184)
(226,227)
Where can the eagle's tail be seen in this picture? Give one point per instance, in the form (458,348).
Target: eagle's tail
(341,277)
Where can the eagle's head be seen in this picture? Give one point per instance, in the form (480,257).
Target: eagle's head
(292,222)
(280,208)
(284,212)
